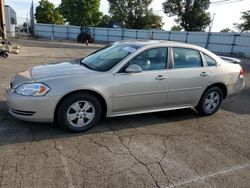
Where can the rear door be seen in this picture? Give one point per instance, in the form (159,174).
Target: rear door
(188,77)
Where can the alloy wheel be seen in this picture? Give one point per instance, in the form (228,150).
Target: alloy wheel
(212,101)
(81,113)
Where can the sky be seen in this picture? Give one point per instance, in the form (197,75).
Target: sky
(225,14)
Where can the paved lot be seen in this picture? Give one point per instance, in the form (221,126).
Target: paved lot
(167,149)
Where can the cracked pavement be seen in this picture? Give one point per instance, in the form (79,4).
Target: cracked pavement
(166,149)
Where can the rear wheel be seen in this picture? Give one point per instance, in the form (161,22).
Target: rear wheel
(79,112)
(210,101)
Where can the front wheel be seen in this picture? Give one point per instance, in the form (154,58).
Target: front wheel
(79,112)
(5,55)
(210,101)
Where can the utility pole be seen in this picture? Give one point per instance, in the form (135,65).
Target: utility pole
(212,22)
(209,32)
(32,22)
(28,23)
(2,20)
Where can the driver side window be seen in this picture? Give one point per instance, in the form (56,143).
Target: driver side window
(152,59)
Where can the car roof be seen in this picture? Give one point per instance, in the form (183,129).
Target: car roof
(157,42)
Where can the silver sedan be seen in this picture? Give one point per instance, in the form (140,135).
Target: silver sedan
(124,78)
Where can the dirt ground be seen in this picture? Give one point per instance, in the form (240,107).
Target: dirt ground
(167,149)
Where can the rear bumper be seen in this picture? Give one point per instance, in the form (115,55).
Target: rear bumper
(35,109)
(236,88)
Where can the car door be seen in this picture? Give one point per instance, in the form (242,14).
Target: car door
(144,90)
(188,77)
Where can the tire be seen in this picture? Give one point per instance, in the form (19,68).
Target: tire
(5,55)
(210,101)
(79,112)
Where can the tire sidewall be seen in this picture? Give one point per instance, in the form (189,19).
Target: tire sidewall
(5,55)
(63,109)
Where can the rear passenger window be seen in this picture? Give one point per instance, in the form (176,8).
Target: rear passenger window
(210,61)
(186,58)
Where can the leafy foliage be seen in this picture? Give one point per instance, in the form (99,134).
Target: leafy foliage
(245,26)
(25,24)
(176,28)
(81,12)
(226,30)
(47,13)
(134,14)
(191,14)
(152,21)
(106,21)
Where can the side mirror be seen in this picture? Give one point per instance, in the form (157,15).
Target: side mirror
(133,69)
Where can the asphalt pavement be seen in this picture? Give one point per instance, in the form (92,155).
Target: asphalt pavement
(166,149)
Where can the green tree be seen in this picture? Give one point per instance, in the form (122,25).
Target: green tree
(106,21)
(25,26)
(176,28)
(134,14)
(153,21)
(191,14)
(47,13)
(81,12)
(226,30)
(245,26)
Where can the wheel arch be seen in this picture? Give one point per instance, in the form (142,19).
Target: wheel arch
(200,106)
(222,86)
(94,93)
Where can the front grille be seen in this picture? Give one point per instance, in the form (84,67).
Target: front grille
(23,113)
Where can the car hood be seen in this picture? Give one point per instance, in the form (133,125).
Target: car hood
(58,69)
(49,71)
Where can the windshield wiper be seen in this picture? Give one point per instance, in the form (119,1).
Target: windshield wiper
(79,60)
(84,64)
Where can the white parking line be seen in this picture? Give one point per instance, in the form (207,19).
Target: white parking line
(210,175)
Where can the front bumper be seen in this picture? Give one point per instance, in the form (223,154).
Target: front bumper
(35,109)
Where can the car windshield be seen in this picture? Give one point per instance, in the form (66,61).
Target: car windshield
(107,57)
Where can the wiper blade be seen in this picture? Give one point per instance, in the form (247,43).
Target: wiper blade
(79,60)
(84,64)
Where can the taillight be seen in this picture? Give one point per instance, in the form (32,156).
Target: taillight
(241,73)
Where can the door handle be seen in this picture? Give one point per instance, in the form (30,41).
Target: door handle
(160,77)
(204,74)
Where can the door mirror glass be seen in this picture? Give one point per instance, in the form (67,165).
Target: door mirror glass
(133,69)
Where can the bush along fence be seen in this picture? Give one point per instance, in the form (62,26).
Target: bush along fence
(237,44)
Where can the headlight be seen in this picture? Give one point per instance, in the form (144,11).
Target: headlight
(32,89)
